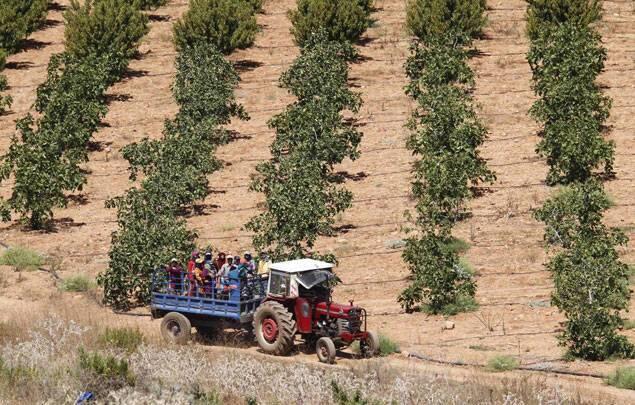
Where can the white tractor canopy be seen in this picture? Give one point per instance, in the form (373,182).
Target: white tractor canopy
(307,272)
(300,265)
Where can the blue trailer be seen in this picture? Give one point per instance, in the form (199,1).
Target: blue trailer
(183,304)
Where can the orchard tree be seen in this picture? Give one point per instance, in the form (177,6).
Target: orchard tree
(544,14)
(18,19)
(591,283)
(44,159)
(105,27)
(566,60)
(148,236)
(226,24)
(301,189)
(427,19)
(343,21)
(174,172)
(445,136)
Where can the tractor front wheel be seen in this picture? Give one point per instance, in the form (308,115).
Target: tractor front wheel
(325,349)
(176,328)
(369,347)
(274,328)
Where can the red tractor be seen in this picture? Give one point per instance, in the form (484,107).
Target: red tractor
(298,302)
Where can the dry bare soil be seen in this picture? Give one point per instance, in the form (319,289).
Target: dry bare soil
(513,287)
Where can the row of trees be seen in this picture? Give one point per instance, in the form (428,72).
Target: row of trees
(45,155)
(302,191)
(591,283)
(445,136)
(18,19)
(175,169)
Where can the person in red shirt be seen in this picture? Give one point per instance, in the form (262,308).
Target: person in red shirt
(190,268)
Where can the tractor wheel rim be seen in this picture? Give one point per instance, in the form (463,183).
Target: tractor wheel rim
(324,351)
(270,330)
(174,329)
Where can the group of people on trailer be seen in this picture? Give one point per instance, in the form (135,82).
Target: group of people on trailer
(207,276)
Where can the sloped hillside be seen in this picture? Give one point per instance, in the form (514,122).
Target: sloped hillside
(506,249)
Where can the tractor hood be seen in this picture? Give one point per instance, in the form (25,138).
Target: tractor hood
(334,310)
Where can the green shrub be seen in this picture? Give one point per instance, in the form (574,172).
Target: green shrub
(77,284)
(18,19)
(462,19)
(15,376)
(542,15)
(21,258)
(623,377)
(226,24)
(629,324)
(104,27)
(127,339)
(343,21)
(502,363)
(343,397)
(386,346)
(104,373)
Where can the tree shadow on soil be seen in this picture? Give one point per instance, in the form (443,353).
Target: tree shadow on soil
(29,44)
(246,65)
(159,18)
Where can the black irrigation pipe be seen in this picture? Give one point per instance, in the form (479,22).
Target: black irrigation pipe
(522,368)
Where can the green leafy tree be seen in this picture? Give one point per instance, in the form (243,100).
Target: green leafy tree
(149,235)
(343,21)
(445,136)
(299,183)
(105,27)
(175,173)
(565,60)
(226,24)
(591,283)
(427,19)
(44,158)
(18,19)
(543,14)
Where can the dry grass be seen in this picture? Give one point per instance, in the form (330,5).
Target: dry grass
(46,365)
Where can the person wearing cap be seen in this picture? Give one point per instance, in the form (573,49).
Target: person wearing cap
(175,274)
(209,259)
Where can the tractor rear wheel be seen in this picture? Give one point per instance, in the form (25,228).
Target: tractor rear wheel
(176,328)
(369,347)
(274,328)
(325,349)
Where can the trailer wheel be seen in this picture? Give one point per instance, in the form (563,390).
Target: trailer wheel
(274,328)
(325,349)
(176,328)
(369,347)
